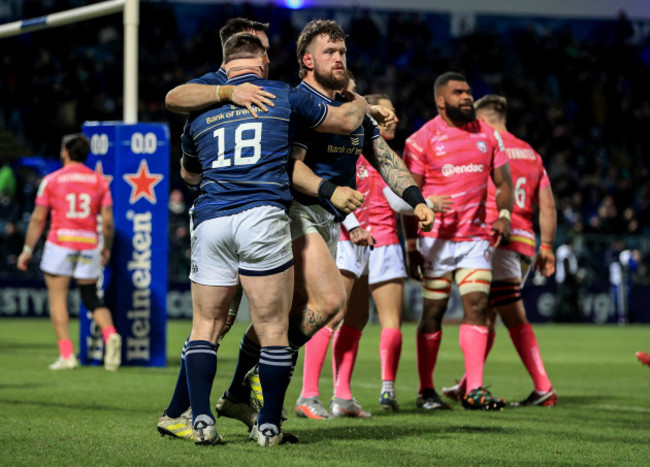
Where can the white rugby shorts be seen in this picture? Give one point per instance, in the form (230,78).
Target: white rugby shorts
(381,264)
(507,264)
(443,256)
(314,219)
(255,242)
(80,264)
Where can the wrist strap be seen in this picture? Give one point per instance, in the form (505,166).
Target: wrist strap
(413,196)
(216,93)
(504,214)
(546,246)
(326,189)
(27,249)
(225,93)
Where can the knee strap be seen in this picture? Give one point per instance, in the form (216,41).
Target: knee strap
(89,297)
(473,280)
(504,293)
(437,288)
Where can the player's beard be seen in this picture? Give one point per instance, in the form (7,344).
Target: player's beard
(329,81)
(456,114)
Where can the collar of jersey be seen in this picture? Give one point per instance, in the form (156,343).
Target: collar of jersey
(242,78)
(315,91)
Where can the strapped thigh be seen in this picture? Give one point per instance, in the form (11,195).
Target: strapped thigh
(473,280)
(437,288)
(504,293)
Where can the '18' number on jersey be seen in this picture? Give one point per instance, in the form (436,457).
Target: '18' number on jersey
(240,143)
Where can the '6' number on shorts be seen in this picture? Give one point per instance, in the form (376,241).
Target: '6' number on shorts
(247,135)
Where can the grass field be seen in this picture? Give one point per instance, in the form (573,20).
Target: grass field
(92,417)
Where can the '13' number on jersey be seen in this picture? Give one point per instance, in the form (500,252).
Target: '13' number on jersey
(78,205)
(253,137)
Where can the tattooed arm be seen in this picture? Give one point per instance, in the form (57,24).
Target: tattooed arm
(399,179)
(390,166)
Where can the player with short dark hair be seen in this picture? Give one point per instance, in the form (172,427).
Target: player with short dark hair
(454,154)
(240,229)
(512,262)
(210,89)
(74,196)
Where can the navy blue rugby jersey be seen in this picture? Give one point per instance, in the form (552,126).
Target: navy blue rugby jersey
(333,157)
(244,159)
(213,78)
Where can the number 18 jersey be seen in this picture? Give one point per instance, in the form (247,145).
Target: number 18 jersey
(244,159)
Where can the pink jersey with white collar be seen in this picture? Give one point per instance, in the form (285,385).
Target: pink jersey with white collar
(457,162)
(75,195)
(529,178)
(375,214)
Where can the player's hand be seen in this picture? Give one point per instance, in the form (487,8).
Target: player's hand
(106,256)
(500,232)
(415,263)
(440,203)
(545,262)
(230,319)
(425,217)
(247,95)
(353,96)
(346,199)
(361,236)
(384,116)
(23,260)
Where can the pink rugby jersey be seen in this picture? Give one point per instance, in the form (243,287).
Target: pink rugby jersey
(529,178)
(457,162)
(375,214)
(75,195)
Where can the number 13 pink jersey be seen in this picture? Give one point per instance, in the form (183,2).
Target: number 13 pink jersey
(75,195)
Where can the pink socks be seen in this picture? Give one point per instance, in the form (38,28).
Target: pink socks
(315,352)
(344,356)
(427,348)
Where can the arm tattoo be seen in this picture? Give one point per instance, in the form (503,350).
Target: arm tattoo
(390,166)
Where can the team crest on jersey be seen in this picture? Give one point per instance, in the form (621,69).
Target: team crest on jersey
(440,150)
(487,254)
(354,140)
(362,172)
(482,146)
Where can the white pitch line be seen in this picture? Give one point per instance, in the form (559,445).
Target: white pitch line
(619,408)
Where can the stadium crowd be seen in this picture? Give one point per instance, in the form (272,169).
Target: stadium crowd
(576,92)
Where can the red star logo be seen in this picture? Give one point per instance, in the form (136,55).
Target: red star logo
(99,168)
(142,183)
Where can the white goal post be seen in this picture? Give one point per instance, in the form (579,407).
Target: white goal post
(131,11)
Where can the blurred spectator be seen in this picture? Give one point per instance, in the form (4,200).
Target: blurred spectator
(179,237)
(623,265)
(7,180)
(566,276)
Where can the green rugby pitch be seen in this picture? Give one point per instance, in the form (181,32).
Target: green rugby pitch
(92,417)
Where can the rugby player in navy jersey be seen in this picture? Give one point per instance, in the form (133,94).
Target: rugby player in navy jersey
(240,228)
(317,210)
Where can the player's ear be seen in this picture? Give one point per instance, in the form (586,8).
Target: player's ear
(440,101)
(308,61)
